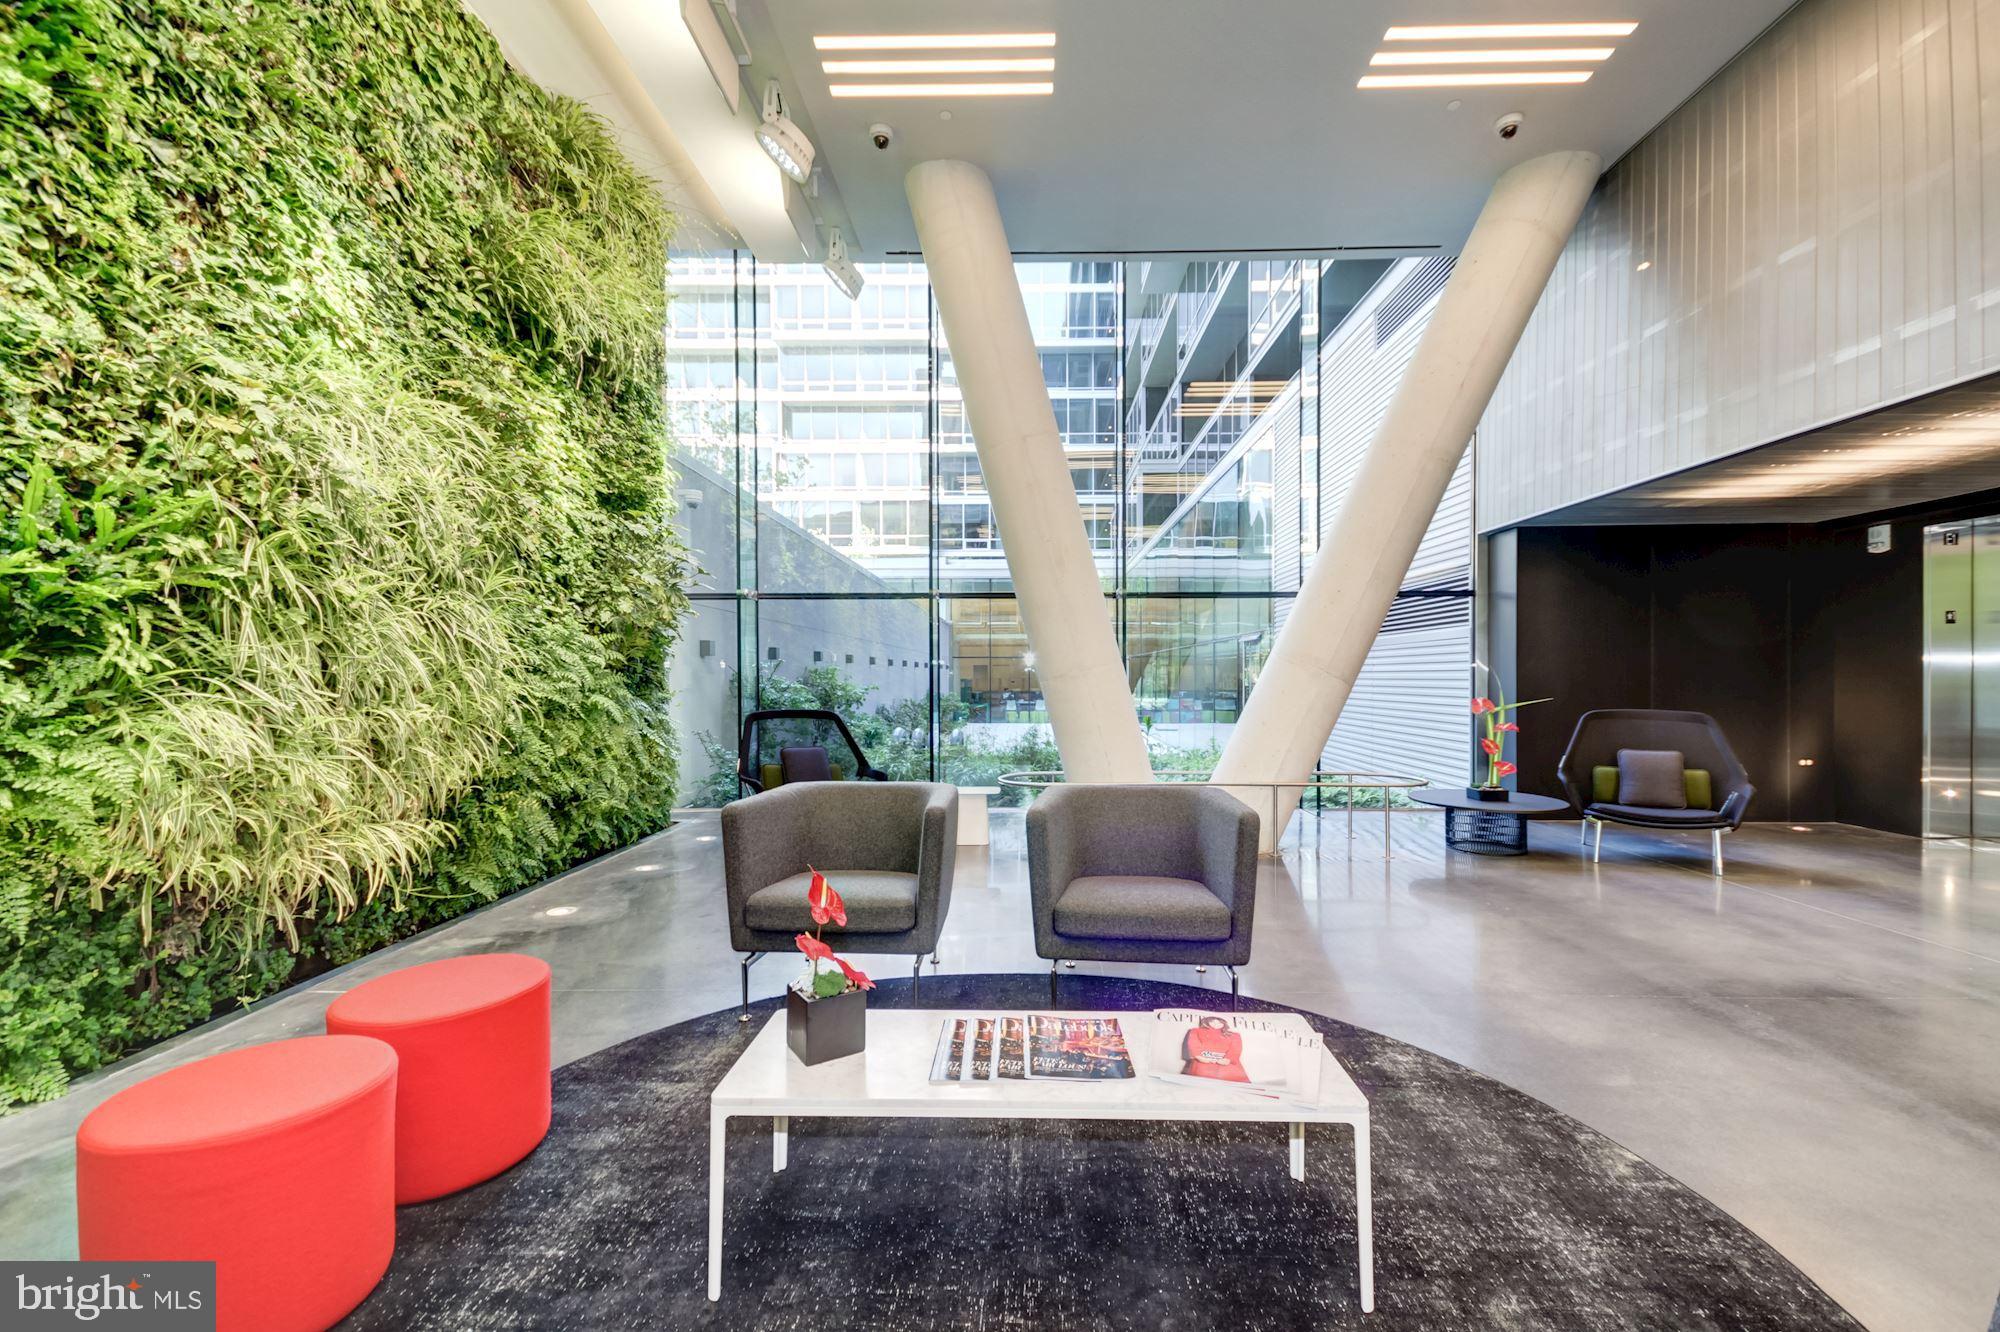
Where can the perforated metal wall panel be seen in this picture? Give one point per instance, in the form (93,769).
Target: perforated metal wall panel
(1814,234)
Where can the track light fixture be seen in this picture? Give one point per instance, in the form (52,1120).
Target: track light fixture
(840,270)
(784,141)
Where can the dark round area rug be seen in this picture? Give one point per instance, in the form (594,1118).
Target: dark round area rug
(1492,1211)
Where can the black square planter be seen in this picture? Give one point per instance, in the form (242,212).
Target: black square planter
(1491,794)
(823,1029)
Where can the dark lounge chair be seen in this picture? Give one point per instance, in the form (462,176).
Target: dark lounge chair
(1160,873)
(1716,789)
(888,848)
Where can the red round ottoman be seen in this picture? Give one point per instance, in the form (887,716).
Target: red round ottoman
(472,1094)
(277,1162)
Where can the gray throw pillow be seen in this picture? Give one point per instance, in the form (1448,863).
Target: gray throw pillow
(1652,778)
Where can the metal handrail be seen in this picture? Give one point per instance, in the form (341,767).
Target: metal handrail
(1037,780)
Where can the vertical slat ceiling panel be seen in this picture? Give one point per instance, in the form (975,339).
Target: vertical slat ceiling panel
(1974,262)
(1941,298)
(1986,97)
(1822,225)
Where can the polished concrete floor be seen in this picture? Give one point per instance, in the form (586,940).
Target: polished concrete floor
(1812,1041)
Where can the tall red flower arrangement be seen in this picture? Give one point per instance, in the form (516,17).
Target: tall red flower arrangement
(826,975)
(1496,718)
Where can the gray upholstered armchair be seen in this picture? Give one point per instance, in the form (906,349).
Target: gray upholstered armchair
(886,847)
(1713,795)
(1163,873)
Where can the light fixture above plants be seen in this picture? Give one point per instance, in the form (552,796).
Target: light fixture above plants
(784,141)
(840,270)
(955,63)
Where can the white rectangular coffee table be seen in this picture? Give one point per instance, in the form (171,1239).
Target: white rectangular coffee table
(891,1079)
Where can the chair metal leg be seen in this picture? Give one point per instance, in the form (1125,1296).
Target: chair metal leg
(1715,848)
(1583,833)
(916,978)
(1054,971)
(749,959)
(1233,994)
(1597,851)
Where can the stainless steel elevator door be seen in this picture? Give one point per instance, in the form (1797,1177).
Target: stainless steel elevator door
(1986,678)
(1949,617)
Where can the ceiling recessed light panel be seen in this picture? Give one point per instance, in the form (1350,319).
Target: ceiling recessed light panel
(941,89)
(1459,32)
(951,41)
(1512,78)
(931,66)
(1553,55)
(1448,66)
(1019,65)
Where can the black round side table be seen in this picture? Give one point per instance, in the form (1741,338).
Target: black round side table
(1486,827)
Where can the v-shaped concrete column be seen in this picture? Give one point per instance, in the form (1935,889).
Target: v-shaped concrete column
(1355,576)
(1021,455)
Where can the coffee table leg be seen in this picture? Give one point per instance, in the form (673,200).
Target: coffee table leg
(1364,1214)
(780,1139)
(1298,1151)
(717,1123)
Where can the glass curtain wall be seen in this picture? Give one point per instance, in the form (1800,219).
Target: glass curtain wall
(831,492)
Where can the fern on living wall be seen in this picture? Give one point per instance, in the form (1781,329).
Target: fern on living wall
(335,577)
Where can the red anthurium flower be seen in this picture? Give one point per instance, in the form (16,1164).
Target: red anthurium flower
(860,978)
(1490,746)
(812,947)
(1507,769)
(1506,726)
(1480,705)
(825,903)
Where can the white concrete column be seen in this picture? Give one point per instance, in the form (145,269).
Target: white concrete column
(1021,454)
(1505,264)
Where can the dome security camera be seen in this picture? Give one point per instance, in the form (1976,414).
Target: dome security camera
(881,136)
(1509,125)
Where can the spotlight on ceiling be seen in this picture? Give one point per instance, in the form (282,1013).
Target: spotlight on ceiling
(839,268)
(784,141)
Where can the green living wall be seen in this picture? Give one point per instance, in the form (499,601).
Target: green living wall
(335,581)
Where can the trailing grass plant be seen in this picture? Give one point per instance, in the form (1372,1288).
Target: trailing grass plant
(335,579)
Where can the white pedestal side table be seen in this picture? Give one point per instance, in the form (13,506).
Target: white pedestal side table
(973,828)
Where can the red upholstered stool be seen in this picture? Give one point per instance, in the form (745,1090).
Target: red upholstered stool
(277,1162)
(472,1097)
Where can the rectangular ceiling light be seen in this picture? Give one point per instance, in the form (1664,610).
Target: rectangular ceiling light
(1550,55)
(940,89)
(1480,79)
(1453,32)
(1018,65)
(947,41)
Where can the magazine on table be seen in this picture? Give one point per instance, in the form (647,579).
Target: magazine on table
(982,1050)
(1078,1049)
(948,1064)
(1273,1055)
(1011,1046)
